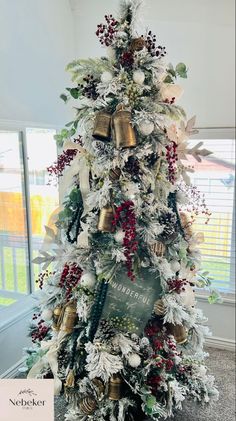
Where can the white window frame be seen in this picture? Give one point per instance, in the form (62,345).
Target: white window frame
(16,311)
(220,133)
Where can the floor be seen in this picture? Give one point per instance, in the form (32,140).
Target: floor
(222,365)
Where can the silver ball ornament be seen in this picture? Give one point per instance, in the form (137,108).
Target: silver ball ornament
(146,127)
(139,77)
(134,360)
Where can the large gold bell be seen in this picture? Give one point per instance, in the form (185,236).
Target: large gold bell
(115,387)
(69,318)
(122,131)
(179,332)
(102,126)
(105,220)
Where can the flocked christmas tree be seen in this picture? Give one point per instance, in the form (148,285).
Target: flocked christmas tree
(117,326)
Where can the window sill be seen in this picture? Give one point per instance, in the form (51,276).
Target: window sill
(229,299)
(16,312)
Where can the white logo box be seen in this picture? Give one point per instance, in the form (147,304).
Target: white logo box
(26,400)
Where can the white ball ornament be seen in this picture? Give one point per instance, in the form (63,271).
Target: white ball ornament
(175,265)
(146,127)
(106,77)
(139,77)
(188,296)
(47,314)
(134,360)
(119,236)
(88,280)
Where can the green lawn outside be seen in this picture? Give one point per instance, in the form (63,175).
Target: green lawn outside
(216,268)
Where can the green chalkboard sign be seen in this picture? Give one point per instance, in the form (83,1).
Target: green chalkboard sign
(130,304)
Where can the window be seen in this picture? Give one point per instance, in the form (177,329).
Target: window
(26,203)
(215,178)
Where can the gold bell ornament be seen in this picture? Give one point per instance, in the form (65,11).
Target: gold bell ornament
(69,318)
(102,126)
(57,316)
(105,219)
(123,132)
(115,387)
(158,248)
(88,405)
(179,332)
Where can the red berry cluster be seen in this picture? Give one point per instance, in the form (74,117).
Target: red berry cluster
(39,333)
(125,216)
(42,276)
(63,160)
(172,158)
(152,48)
(198,203)
(106,33)
(127,59)
(154,382)
(176,285)
(172,101)
(88,88)
(70,278)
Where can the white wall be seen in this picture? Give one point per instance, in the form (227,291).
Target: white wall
(199,33)
(36,43)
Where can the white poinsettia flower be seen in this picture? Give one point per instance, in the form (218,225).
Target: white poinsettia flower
(169,91)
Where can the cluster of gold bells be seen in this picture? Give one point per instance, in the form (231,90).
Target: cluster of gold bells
(115,126)
(65,317)
(113,390)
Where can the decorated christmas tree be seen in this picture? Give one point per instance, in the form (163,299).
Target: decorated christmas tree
(117,325)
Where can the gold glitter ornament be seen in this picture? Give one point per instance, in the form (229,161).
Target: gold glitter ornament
(158,248)
(88,405)
(179,332)
(115,174)
(159,308)
(186,222)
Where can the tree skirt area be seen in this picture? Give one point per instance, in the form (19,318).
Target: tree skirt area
(222,365)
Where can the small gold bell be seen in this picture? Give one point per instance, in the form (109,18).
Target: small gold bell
(105,219)
(57,312)
(158,248)
(102,126)
(159,308)
(122,131)
(88,405)
(115,387)
(69,318)
(179,332)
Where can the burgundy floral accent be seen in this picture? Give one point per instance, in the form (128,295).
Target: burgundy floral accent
(155,51)
(63,160)
(125,216)
(127,59)
(40,330)
(197,201)
(89,87)
(172,158)
(176,285)
(42,277)
(106,33)
(170,101)
(70,278)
